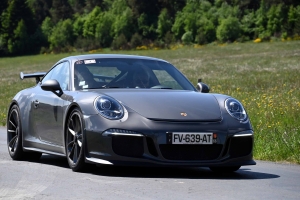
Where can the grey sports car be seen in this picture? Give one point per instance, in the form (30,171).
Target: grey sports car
(127,110)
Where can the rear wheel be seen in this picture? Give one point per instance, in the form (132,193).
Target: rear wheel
(75,141)
(14,137)
(225,169)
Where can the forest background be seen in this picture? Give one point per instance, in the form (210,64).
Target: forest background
(53,26)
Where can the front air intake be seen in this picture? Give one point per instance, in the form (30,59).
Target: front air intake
(240,146)
(130,146)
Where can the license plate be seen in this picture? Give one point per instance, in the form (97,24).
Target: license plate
(190,138)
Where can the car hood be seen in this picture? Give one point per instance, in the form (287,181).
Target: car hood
(169,105)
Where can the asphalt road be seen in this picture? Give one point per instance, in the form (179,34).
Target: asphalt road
(50,178)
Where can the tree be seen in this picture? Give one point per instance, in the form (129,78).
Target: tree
(187,38)
(16,11)
(178,26)
(248,25)
(60,10)
(227,10)
(285,2)
(104,29)
(136,40)
(124,22)
(145,27)
(164,23)
(229,30)
(294,20)
(3,6)
(146,13)
(91,4)
(19,43)
(149,7)
(275,19)
(172,6)
(40,8)
(78,25)
(190,19)
(90,24)
(119,42)
(47,27)
(77,5)
(62,35)
(207,31)
(247,4)
(262,21)
(191,13)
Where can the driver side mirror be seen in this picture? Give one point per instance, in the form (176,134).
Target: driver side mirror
(202,87)
(52,86)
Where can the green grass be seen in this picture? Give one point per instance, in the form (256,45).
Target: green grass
(265,77)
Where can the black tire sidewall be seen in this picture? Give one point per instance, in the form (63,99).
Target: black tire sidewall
(18,154)
(79,165)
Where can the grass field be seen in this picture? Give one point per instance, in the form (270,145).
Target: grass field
(265,77)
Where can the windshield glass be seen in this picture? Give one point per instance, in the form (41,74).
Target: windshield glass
(128,73)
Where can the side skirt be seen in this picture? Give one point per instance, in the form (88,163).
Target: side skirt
(43,151)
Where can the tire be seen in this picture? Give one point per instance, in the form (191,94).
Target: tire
(14,137)
(75,141)
(225,169)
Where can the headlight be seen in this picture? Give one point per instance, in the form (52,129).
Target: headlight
(235,109)
(109,108)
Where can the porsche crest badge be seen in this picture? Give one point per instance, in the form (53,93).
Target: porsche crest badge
(183,114)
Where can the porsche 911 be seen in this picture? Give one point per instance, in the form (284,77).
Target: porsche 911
(127,110)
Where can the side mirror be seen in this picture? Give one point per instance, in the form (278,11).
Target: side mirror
(202,87)
(52,86)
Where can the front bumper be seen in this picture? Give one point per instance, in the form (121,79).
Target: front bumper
(151,149)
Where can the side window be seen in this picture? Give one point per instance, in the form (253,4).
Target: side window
(61,73)
(48,75)
(62,76)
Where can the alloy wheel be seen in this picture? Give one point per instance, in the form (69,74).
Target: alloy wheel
(13,129)
(74,138)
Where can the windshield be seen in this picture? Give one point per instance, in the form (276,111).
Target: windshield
(128,73)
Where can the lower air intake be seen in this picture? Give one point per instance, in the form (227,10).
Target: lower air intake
(240,146)
(130,146)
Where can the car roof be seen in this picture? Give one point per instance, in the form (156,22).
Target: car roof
(95,56)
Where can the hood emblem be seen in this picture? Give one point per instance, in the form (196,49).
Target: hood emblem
(183,114)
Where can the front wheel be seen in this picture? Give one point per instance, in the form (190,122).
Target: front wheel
(229,169)
(75,141)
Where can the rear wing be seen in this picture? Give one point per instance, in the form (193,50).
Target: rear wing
(37,76)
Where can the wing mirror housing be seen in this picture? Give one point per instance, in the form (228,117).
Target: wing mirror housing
(202,87)
(52,86)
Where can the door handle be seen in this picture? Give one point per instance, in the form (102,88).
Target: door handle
(36,104)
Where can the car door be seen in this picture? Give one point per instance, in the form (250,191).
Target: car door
(48,107)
